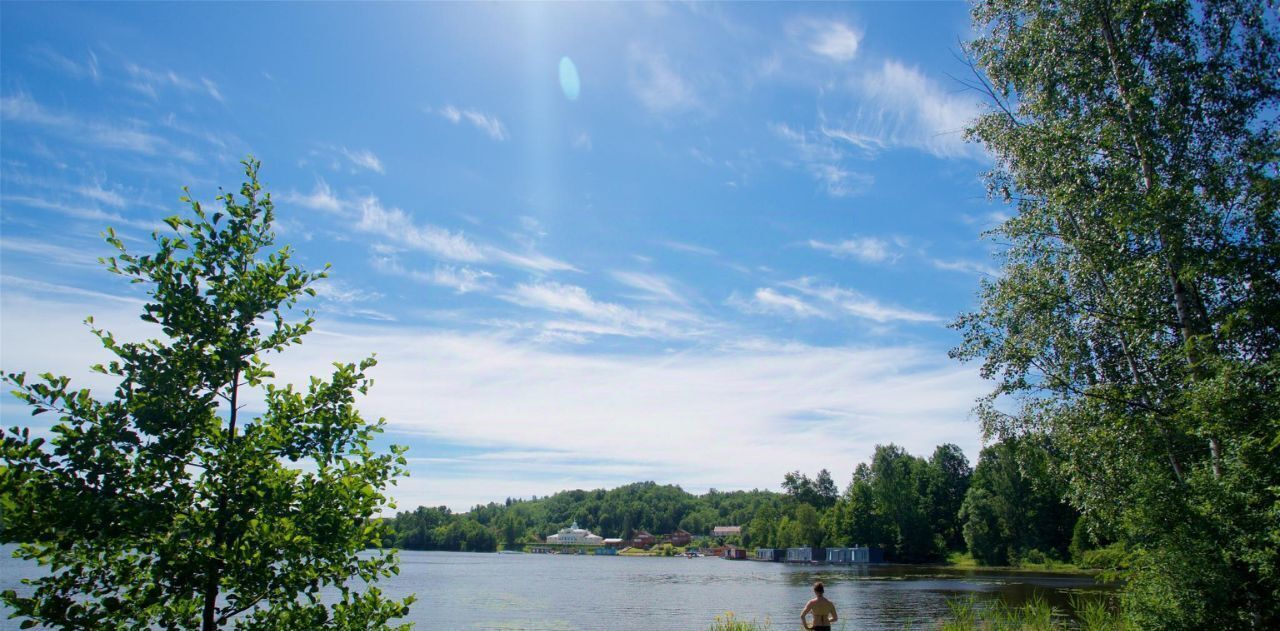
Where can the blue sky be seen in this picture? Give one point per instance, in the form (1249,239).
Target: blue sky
(728,250)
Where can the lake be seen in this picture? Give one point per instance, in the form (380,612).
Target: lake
(554,592)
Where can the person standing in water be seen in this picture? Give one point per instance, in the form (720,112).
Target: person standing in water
(823,611)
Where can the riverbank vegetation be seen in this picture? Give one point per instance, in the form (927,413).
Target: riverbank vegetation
(1007,511)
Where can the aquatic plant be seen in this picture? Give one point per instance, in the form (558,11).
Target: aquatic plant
(728,621)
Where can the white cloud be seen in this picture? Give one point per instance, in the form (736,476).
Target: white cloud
(691,248)
(745,413)
(99,194)
(834,40)
(322,198)
(659,86)
(336,290)
(596,317)
(486,123)
(24,109)
(393,225)
(966,266)
(818,154)
(865,249)
(655,287)
(50,58)
(397,226)
(767,300)
(150,81)
(854,303)
(898,106)
(21,107)
(364,159)
(461,279)
(841,182)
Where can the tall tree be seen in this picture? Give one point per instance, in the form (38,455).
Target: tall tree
(949,474)
(168,505)
(1015,505)
(899,486)
(1138,313)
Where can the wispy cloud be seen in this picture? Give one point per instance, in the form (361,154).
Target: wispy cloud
(461,279)
(336,290)
(491,125)
(769,301)
(97,193)
(806,298)
(966,266)
(659,86)
(865,249)
(397,226)
(848,301)
(48,57)
(832,39)
(367,214)
(691,248)
(652,286)
(593,317)
(22,108)
(320,198)
(150,81)
(364,159)
(824,161)
(899,106)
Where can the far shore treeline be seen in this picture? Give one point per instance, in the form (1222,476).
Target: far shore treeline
(1007,510)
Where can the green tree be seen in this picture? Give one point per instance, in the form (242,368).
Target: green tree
(1137,317)
(1015,505)
(899,484)
(168,505)
(949,474)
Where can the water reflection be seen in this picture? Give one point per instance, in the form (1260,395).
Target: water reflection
(547,592)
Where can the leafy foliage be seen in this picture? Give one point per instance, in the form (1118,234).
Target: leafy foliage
(1015,507)
(165,505)
(1136,321)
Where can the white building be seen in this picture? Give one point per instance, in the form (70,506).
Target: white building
(576,536)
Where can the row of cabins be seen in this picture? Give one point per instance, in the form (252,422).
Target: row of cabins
(859,554)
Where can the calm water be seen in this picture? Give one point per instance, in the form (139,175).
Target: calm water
(533,591)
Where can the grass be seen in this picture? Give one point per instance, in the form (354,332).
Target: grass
(965,561)
(1092,614)
(730,622)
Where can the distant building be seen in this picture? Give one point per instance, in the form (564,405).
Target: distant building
(770,554)
(615,543)
(735,554)
(806,555)
(859,554)
(725,531)
(573,535)
(642,539)
(679,538)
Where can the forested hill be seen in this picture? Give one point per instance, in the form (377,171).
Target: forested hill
(916,509)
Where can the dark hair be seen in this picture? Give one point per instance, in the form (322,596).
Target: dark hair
(817,587)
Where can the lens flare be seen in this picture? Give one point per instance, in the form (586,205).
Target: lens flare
(569,83)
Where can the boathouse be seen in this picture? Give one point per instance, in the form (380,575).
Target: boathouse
(770,554)
(860,554)
(806,555)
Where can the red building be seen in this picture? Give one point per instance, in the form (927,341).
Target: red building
(642,539)
(680,537)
